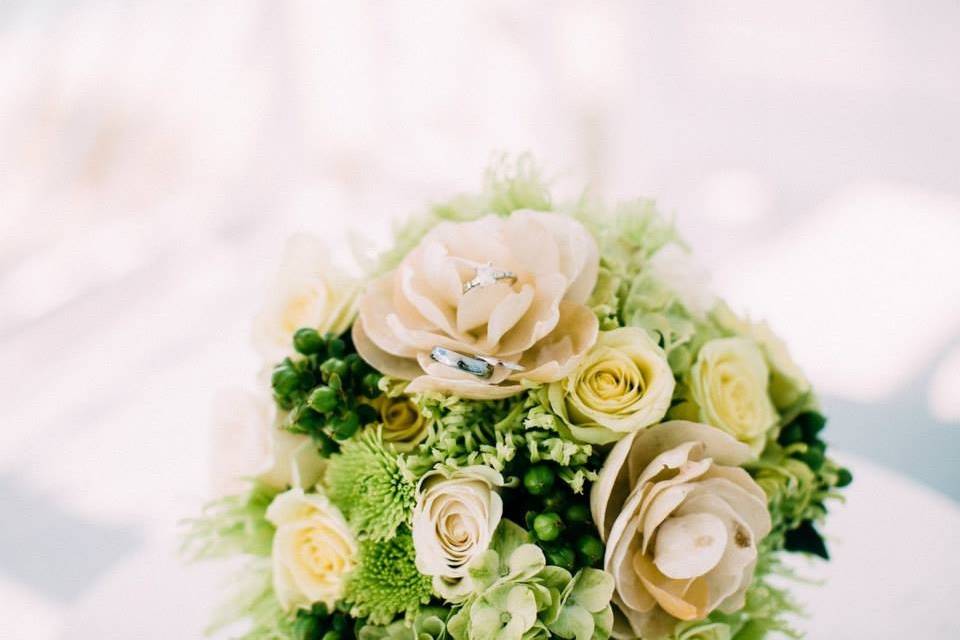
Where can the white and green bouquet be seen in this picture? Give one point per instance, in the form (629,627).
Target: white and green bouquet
(526,420)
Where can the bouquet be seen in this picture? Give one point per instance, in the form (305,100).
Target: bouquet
(526,420)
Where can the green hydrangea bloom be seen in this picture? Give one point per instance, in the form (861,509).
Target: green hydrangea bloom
(386,582)
(430,623)
(515,595)
(371,486)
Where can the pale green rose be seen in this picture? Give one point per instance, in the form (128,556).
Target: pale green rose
(729,383)
(623,385)
(787,381)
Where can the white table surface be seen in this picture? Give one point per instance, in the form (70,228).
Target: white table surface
(895,574)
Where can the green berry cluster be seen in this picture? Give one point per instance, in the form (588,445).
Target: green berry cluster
(321,624)
(326,388)
(557,518)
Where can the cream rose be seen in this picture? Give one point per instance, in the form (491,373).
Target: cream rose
(248,442)
(729,383)
(787,380)
(309,291)
(536,322)
(622,385)
(403,425)
(313,550)
(681,521)
(454,520)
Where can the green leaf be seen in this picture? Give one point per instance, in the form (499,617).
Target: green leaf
(806,539)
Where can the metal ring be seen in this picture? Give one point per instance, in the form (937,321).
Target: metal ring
(486,275)
(475,366)
(496,362)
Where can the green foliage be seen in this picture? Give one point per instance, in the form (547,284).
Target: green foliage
(251,599)
(231,525)
(386,582)
(511,184)
(371,485)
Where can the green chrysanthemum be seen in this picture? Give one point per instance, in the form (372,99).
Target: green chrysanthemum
(386,582)
(371,487)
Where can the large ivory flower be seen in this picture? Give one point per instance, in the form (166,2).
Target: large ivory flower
(681,521)
(453,522)
(248,442)
(537,323)
(309,291)
(313,550)
(729,382)
(623,384)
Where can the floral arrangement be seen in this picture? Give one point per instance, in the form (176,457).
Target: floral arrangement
(525,420)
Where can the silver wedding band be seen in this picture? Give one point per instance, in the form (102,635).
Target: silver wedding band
(476,366)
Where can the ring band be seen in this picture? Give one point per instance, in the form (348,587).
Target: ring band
(486,275)
(496,362)
(476,366)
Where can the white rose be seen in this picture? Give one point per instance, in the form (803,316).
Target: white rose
(729,381)
(787,380)
(309,291)
(534,321)
(622,385)
(313,550)
(248,443)
(681,521)
(453,522)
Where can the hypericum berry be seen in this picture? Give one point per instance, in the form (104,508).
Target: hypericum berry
(577,513)
(336,347)
(307,341)
(589,550)
(539,479)
(346,426)
(284,380)
(790,434)
(556,500)
(547,526)
(371,384)
(323,399)
(310,421)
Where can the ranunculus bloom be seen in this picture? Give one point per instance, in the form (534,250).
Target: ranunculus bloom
(538,323)
(249,443)
(453,522)
(681,521)
(313,550)
(622,385)
(309,291)
(729,382)
(403,425)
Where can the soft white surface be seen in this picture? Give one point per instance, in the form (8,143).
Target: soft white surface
(894,574)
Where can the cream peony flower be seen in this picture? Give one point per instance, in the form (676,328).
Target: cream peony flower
(787,381)
(537,323)
(729,382)
(454,520)
(313,550)
(403,425)
(624,384)
(681,521)
(308,292)
(248,443)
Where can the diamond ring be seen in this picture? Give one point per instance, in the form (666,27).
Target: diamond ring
(486,275)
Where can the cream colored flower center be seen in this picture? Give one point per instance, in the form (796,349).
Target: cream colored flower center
(737,396)
(689,546)
(322,551)
(613,383)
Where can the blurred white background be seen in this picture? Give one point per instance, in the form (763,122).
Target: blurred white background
(154,155)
